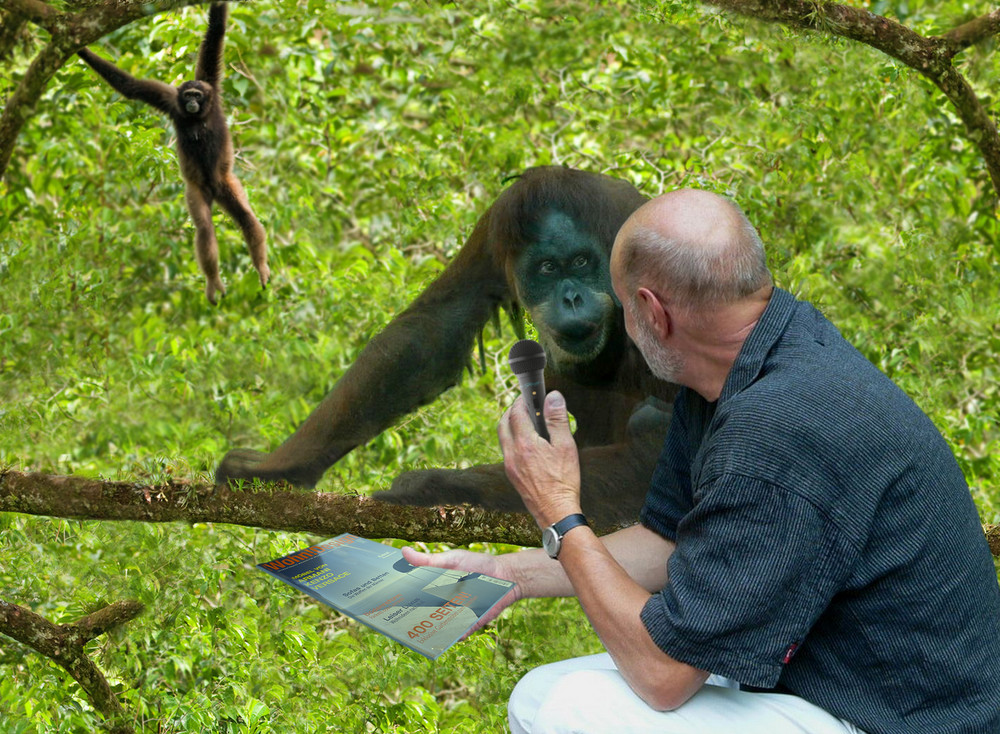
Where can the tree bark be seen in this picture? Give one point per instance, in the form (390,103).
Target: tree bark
(69,32)
(11,31)
(275,507)
(271,506)
(973,32)
(993,538)
(931,56)
(64,643)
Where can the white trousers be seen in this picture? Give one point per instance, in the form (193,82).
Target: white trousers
(588,695)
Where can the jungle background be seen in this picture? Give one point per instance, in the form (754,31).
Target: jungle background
(370,137)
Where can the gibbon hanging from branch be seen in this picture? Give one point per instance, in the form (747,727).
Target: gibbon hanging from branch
(204,147)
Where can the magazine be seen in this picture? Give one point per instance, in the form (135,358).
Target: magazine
(426,609)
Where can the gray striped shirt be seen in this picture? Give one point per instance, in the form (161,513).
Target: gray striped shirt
(827,543)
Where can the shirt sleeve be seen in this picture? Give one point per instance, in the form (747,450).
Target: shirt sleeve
(755,566)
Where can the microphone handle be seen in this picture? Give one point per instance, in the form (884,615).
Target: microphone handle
(533,389)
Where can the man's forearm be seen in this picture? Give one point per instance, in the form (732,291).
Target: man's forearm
(641,552)
(613,598)
(536,575)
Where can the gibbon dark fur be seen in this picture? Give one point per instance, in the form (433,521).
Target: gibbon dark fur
(204,147)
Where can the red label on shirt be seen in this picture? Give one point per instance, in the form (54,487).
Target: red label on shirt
(790,653)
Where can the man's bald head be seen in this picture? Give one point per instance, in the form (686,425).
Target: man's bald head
(693,249)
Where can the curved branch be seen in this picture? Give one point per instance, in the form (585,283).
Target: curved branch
(40,13)
(70,32)
(104,620)
(63,643)
(931,57)
(21,104)
(879,32)
(973,32)
(980,126)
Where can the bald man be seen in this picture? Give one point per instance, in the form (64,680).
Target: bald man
(808,558)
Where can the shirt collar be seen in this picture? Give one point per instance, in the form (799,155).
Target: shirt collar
(755,349)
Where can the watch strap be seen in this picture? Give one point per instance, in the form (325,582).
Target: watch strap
(552,536)
(569,522)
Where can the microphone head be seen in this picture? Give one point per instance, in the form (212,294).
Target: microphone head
(526,355)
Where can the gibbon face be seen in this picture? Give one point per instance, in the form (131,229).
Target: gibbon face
(194,97)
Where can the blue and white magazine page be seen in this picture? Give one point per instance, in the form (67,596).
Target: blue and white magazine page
(426,609)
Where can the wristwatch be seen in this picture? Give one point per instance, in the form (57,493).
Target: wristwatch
(552,535)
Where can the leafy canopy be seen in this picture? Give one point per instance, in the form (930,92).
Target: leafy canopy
(370,138)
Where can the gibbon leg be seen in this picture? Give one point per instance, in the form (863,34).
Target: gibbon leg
(233,199)
(206,247)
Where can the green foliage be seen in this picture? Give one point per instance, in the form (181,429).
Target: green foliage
(370,138)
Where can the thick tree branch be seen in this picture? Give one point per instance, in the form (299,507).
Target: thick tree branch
(21,104)
(103,620)
(12,30)
(882,33)
(931,57)
(993,538)
(38,12)
(63,643)
(973,32)
(69,32)
(274,507)
(271,506)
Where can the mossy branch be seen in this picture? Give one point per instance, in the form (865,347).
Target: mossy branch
(68,32)
(271,506)
(64,644)
(931,56)
(974,32)
(275,507)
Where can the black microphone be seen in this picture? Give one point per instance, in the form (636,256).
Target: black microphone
(527,360)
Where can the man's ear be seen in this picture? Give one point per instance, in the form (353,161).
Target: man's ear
(655,313)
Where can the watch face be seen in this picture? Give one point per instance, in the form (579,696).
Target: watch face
(550,541)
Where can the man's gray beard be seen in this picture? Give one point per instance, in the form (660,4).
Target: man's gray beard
(665,363)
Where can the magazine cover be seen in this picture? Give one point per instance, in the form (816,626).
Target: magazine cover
(426,609)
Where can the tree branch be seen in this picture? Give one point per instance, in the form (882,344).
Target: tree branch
(104,620)
(21,104)
(993,538)
(879,32)
(931,57)
(70,32)
(973,32)
(63,643)
(40,13)
(275,507)
(271,506)
(11,32)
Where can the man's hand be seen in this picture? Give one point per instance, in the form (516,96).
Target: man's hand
(546,475)
(463,560)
